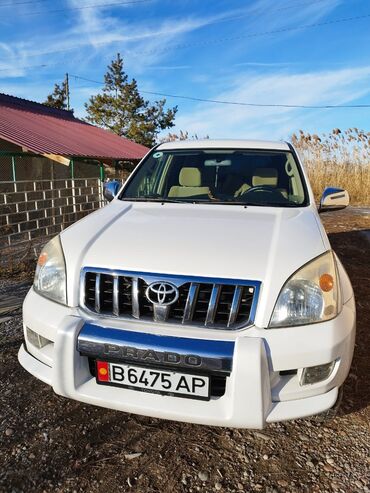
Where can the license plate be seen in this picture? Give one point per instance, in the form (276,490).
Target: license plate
(151,380)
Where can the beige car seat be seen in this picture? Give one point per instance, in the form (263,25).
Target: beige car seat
(190,181)
(267,177)
(262,176)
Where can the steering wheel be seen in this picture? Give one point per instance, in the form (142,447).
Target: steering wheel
(260,188)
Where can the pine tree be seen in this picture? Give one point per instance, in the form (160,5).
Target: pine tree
(58,98)
(121,109)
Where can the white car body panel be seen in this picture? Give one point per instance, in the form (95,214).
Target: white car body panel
(225,144)
(205,240)
(265,244)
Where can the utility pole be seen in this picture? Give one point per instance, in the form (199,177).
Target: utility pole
(67,91)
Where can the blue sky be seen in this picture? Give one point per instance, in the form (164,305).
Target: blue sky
(211,49)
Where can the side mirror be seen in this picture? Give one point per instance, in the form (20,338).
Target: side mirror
(333,199)
(110,189)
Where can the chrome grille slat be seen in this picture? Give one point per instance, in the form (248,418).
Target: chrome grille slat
(135,297)
(116,296)
(97,293)
(212,305)
(235,305)
(190,303)
(202,302)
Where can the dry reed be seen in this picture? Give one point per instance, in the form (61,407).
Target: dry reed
(340,159)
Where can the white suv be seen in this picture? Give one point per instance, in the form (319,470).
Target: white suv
(206,291)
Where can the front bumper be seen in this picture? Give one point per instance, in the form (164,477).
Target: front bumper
(259,388)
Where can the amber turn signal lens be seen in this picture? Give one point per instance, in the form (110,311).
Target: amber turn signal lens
(326,282)
(42,259)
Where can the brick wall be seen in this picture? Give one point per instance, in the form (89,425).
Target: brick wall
(31,212)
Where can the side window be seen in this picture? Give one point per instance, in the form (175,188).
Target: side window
(149,182)
(296,192)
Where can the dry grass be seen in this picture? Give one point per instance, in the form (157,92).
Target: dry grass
(339,159)
(17,263)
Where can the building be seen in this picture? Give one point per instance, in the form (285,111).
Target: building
(51,169)
(33,137)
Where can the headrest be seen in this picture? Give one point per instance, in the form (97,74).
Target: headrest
(190,177)
(265,176)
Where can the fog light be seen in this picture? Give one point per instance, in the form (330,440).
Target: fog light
(36,340)
(314,374)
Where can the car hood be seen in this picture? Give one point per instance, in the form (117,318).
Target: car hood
(266,244)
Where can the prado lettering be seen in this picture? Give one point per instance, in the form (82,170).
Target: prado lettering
(130,353)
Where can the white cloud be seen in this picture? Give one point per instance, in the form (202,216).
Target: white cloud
(315,88)
(96,30)
(95,35)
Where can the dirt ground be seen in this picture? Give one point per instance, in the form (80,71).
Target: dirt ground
(52,444)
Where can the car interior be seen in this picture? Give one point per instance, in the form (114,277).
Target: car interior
(255,177)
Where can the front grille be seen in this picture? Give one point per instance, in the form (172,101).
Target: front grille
(213,303)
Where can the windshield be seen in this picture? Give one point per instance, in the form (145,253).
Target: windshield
(239,177)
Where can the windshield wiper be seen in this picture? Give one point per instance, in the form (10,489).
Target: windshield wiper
(174,201)
(271,204)
(183,201)
(154,199)
(212,202)
(218,202)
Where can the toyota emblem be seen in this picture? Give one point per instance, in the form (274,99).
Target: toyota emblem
(162,293)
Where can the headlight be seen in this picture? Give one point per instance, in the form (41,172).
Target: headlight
(50,276)
(311,295)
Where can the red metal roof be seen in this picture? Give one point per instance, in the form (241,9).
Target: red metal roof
(46,130)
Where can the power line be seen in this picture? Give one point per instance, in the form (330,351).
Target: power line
(255,34)
(27,2)
(288,6)
(67,9)
(25,67)
(21,3)
(215,40)
(238,103)
(258,11)
(204,43)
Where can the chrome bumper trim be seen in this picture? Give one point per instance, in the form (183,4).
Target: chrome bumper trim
(149,349)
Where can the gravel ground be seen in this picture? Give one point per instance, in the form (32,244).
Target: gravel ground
(48,443)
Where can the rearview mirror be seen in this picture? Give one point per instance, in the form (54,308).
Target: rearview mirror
(333,199)
(216,162)
(110,189)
